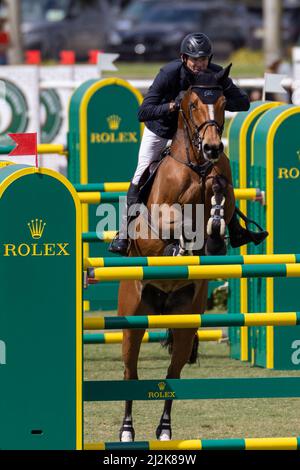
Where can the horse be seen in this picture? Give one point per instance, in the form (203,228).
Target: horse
(195,170)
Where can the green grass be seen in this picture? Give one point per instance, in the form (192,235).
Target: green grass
(246,63)
(191,419)
(133,70)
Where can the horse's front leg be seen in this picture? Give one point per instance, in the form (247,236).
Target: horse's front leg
(216,225)
(130,350)
(183,340)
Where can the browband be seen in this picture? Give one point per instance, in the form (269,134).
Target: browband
(212,87)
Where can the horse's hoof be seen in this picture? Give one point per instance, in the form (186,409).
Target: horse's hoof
(126,436)
(164,431)
(173,249)
(215,247)
(127,433)
(165,436)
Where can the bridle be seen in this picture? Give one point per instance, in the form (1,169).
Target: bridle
(197,139)
(193,136)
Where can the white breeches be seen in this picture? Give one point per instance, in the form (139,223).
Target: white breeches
(151,147)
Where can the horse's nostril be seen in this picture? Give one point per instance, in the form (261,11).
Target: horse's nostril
(213,150)
(207,148)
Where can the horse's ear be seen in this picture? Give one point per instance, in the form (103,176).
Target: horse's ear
(223,74)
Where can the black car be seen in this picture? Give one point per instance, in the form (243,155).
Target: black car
(53,25)
(136,11)
(159,34)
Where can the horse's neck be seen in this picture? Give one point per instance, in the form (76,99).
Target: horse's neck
(174,182)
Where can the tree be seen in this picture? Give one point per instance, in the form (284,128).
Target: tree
(272,11)
(11,24)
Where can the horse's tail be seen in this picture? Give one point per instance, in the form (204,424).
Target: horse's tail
(168,343)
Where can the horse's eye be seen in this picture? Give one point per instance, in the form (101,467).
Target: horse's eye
(193,106)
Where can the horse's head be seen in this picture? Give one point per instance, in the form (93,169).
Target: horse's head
(203,110)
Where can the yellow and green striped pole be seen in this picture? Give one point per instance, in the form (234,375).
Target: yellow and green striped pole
(194,272)
(190,260)
(97,189)
(260,443)
(95,197)
(149,337)
(102,187)
(193,321)
(95,237)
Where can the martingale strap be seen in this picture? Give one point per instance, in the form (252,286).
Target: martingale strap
(201,170)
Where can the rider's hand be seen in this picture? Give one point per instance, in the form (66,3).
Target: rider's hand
(172,106)
(178,100)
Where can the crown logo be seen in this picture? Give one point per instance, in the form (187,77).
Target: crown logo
(36,228)
(113,122)
(161,386)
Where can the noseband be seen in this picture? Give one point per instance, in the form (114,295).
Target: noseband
(196,138)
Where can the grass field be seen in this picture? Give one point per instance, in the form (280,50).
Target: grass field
(246,63)
(191,419)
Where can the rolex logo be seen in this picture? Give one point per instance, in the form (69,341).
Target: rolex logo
(162,393)
(161,386)
(36,228)
(113,122)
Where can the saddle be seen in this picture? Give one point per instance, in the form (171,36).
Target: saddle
(147,178)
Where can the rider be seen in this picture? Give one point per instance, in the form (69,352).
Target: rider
(159,111)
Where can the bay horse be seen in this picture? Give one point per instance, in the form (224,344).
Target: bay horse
(195,171)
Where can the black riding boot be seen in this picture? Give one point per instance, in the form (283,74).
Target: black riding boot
(241,236)
(120,243)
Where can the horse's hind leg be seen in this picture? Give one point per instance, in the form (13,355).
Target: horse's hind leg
(130,349)
(183,339)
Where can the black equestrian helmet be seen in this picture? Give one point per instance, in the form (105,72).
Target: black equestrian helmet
(196,45)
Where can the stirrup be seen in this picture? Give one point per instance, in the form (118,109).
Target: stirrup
(258,237)
(247,236)
(247,220)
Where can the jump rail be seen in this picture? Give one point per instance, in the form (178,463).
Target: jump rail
(261,443)
(190,260)
(194,321)
(194,272)
(96,196)
(192,389)
(149,337)
(95,237)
